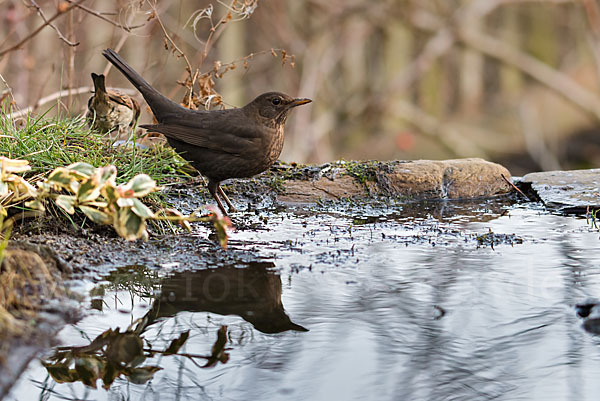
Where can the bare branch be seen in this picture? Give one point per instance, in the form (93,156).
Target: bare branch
(444,38)
(193,75)
(38,30)
(169,39)
(553,79)
(103,18)
(60,35)
(8,90)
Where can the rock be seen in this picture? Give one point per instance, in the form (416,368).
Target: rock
(307,191)
(414,180)
(567,191)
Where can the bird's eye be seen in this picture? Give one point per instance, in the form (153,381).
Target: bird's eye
(276,101)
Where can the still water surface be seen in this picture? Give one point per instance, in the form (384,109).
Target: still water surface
(413,306)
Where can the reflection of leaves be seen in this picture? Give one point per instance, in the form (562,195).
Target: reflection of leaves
(136,279)
(108,356)
(112,354)
(61,372)
(125,348)
(177,343)
(141,375)
(111,372)
(218,353)
(89,369)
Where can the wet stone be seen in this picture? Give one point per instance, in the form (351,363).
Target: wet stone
(412,180)
(567,191)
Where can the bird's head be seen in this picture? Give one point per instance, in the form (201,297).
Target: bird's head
(274,106)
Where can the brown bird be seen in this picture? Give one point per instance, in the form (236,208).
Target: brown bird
(111,111)
(221,144)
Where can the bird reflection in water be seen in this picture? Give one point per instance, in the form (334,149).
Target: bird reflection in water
(252,292)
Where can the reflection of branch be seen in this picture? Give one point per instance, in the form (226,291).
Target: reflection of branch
(60,35)
(38,30)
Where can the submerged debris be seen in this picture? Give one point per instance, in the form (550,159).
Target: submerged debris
(491,239)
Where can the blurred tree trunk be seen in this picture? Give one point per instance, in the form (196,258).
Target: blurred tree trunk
(232,46)
(471,72)
(510,31)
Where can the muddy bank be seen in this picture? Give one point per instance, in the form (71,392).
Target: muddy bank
(34,306)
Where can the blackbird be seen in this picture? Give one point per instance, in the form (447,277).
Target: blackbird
(221,144)
(111,111)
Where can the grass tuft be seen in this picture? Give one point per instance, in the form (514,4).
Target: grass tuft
(54,142)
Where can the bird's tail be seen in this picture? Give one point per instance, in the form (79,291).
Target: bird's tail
(99,85)
(161,106)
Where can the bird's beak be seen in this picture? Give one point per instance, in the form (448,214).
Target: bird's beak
(299,102)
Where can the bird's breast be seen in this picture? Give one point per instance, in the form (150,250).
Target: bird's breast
(274,145)
(261,158)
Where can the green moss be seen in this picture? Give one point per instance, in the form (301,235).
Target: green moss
(363,171)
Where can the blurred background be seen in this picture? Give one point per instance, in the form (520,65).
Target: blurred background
(512,81)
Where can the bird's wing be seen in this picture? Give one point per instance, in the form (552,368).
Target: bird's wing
(217,140)
(121,98)
(216,122)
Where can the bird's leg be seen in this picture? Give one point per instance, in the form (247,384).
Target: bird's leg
(232,208)
(212,188)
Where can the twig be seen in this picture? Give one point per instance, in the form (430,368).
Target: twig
(168,37)
(103,18)
(193,76)
(60,35)
(38,30)
(71,58)
(184,354)
(593,15)
(514,186)
(215,32)
(117,48)
(8,89)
